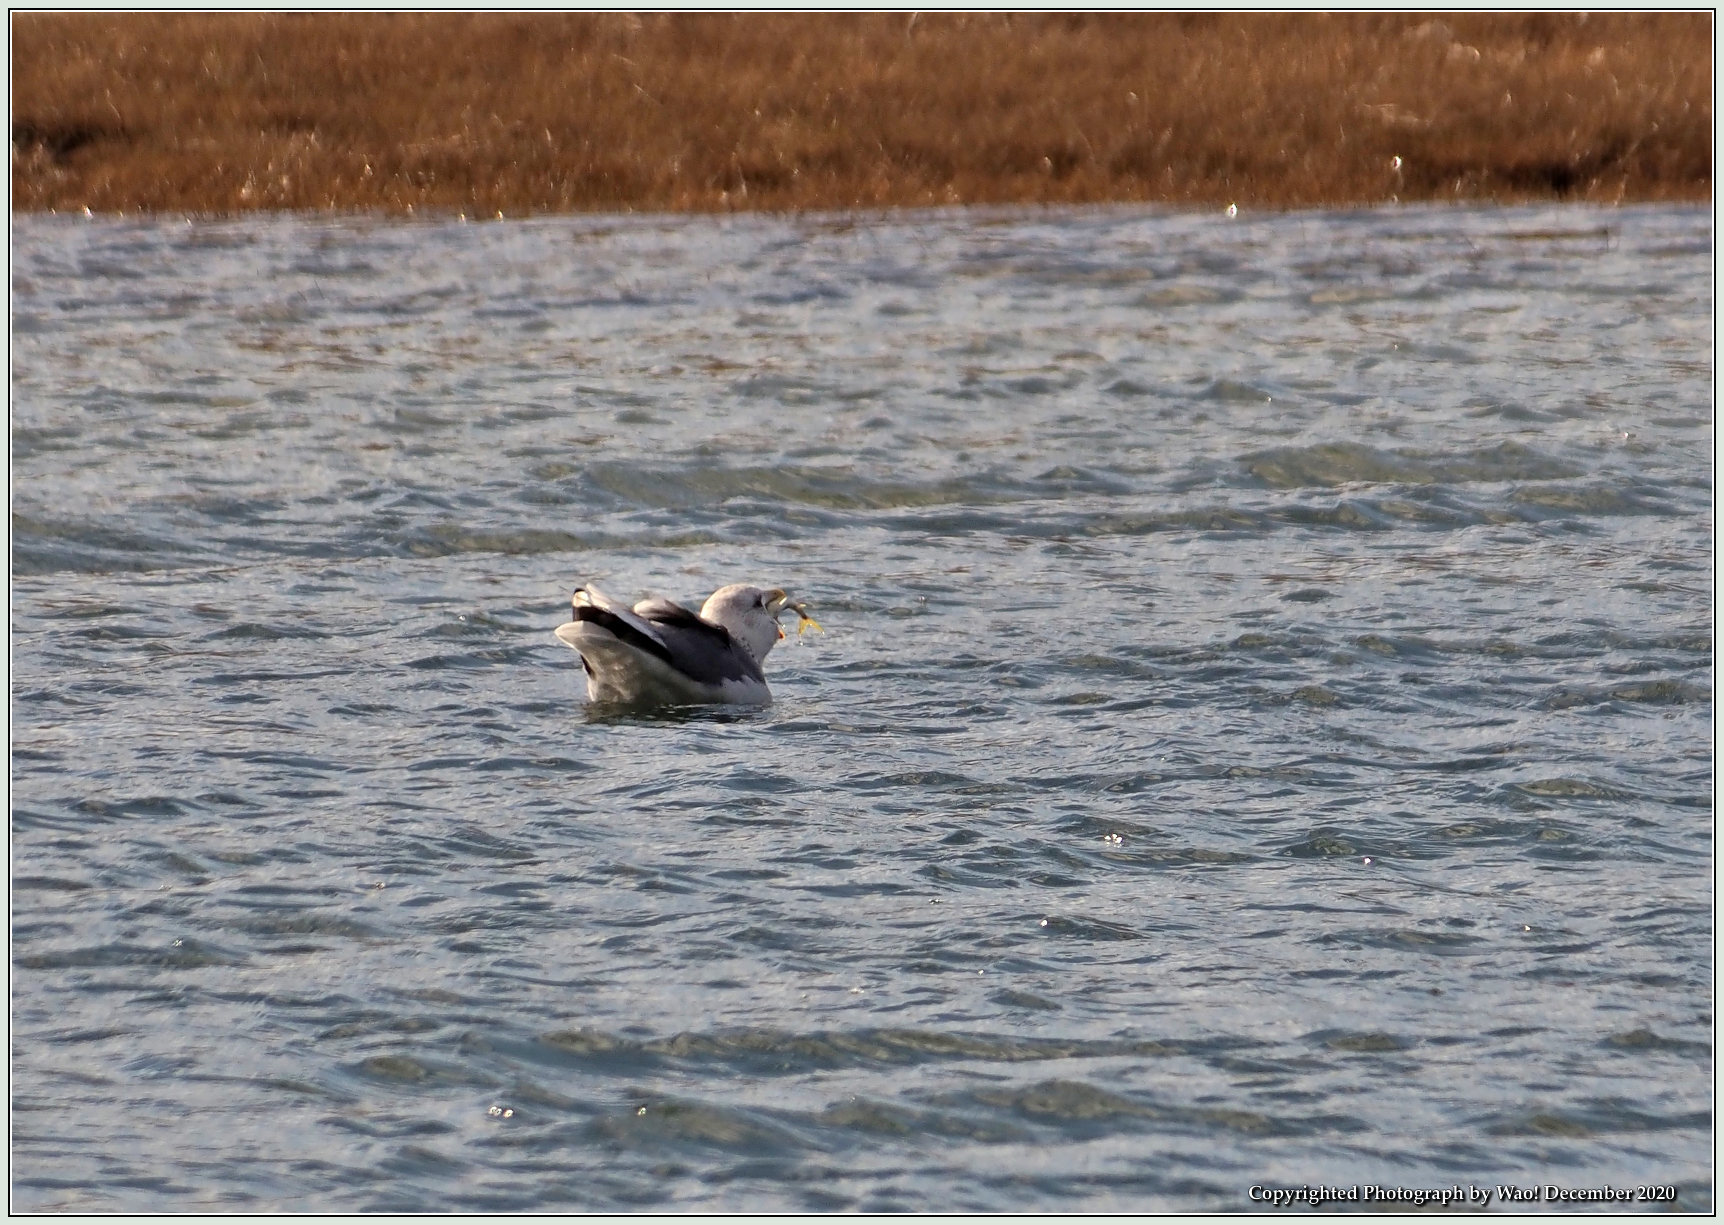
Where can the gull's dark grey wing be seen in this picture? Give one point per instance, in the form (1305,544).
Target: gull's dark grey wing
(698,649)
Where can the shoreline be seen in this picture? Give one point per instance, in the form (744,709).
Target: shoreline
(557,114)
(852,216)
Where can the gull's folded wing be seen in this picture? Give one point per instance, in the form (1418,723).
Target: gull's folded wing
(698,649)
(594,607)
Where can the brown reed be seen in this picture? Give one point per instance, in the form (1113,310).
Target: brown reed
(534,113)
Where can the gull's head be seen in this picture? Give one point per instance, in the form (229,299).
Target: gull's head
(751,615)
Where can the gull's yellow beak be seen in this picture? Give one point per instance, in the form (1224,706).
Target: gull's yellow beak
(775,601)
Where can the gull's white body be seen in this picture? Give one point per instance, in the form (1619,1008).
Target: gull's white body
(661,654)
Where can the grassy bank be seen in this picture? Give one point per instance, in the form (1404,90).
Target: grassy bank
(518,114)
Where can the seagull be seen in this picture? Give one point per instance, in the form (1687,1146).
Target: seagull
(660,653)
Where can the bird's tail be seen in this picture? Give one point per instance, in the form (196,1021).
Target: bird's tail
(593,607)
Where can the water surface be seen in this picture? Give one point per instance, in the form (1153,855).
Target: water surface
(1263,732)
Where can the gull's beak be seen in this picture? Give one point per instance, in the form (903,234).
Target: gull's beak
(777,602)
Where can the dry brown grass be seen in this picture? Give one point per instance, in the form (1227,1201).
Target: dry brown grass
(552,113)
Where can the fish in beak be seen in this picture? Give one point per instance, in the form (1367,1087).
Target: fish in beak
(778,602)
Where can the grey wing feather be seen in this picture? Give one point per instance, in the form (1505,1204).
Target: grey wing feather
(699,649)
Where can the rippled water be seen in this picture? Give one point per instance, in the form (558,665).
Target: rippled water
(1263,732)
